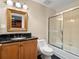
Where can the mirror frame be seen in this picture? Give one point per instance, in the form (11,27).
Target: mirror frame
(9,19)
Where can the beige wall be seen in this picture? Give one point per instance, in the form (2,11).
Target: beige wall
(37,19)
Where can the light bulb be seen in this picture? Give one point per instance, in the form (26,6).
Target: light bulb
(25,6)
(9,2)
(18,5)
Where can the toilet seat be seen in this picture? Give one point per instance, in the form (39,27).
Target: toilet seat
(47,51)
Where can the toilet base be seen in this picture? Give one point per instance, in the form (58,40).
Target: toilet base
(46,57)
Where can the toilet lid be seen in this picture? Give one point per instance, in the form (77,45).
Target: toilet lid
(47,49)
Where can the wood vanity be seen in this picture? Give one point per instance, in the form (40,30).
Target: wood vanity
(23,48)
(19,49)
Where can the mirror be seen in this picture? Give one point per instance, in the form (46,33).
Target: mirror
(16,20)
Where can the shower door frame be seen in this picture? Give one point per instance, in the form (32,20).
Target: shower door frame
(49,31)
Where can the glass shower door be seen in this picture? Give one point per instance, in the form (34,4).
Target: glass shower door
(55,31)
(71,31)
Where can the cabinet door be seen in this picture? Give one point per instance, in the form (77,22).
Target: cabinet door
(10,51)
(0,50)
(30,49)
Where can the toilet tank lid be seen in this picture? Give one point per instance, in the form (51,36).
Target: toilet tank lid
(42,42)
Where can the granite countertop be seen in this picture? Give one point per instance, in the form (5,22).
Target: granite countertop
(17,40)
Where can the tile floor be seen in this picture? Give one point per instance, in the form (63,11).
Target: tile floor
(52,57)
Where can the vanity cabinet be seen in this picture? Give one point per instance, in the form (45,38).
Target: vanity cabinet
(10,51)
(29,49)
(19,50)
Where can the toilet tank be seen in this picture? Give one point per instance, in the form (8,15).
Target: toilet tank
(42,43)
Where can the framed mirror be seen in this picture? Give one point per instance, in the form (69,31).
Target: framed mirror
(17,20)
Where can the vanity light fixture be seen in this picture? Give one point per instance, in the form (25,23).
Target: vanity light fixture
(18,5)
(25,6)
(9,2)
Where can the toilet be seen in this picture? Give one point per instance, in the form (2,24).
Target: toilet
(44,49)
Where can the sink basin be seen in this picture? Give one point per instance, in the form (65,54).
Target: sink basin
(18,38)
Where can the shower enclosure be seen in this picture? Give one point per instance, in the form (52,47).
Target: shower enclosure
(63,31)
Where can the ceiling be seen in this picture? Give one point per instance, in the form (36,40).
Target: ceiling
(56,4)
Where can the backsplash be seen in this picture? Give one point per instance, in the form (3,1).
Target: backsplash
(5,37)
